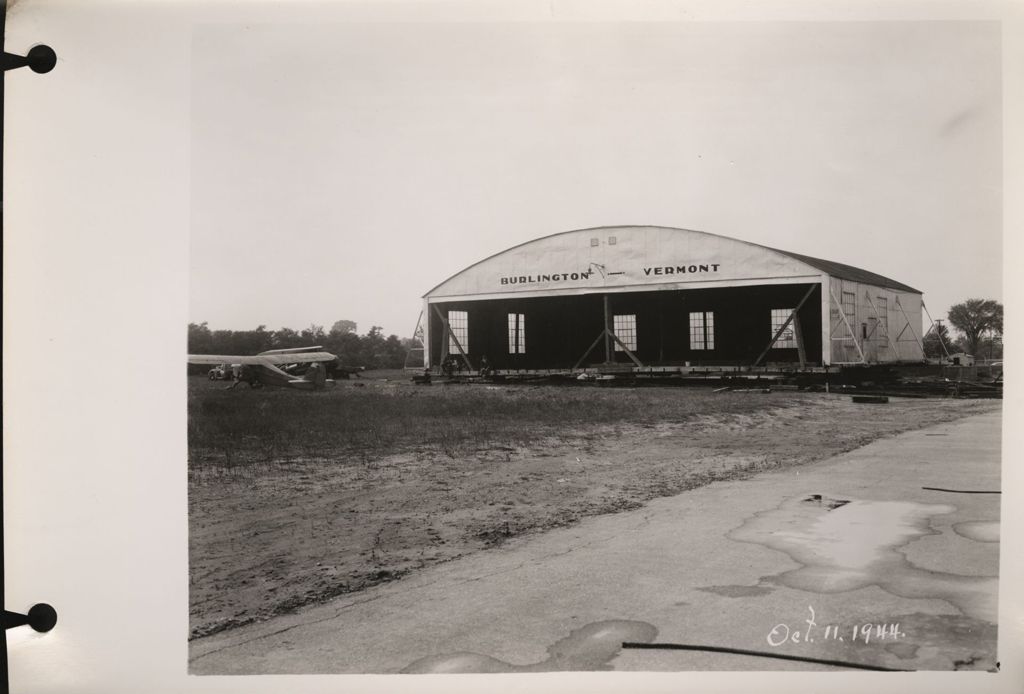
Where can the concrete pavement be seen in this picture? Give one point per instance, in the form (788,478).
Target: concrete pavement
(893,574)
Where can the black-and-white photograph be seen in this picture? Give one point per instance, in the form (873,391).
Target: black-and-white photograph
(527,347)
(462,345)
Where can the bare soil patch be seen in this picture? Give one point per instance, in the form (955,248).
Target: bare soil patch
(295,498)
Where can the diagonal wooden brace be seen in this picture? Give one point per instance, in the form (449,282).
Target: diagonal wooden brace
(908,325)
(625,349)
(448,329)
(937,333)
(842,314)
(895,348)
(589,350)
(789,319)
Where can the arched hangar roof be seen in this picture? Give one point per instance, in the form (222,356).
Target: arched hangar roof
(620,256)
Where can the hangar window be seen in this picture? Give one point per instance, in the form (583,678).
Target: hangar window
(883,316)
(458,323)
(788,337)
(702,330)
(625,330)
(517,333)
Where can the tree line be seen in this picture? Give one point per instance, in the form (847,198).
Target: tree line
(372,350)
(979,324)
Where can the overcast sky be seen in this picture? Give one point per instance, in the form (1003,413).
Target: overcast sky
(342,170)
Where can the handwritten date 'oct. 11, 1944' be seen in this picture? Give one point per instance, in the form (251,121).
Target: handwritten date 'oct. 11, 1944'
(809,631)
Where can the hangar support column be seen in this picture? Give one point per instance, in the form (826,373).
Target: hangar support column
(607,330)
(608,336)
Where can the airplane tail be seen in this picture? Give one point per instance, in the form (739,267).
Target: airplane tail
(315,378)
(317,374)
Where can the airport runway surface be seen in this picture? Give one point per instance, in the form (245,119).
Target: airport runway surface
(849,559)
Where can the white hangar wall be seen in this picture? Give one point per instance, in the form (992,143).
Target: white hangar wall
(622,258)
(886,322)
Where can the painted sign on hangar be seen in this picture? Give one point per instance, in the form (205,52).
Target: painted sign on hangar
(619,257)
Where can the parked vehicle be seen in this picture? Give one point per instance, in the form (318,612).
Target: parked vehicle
(221,372)
(959,359)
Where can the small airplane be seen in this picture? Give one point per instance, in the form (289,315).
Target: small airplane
(281,367)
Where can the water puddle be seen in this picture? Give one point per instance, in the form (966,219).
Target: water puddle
(849,539)
(590,647)
(949,641)
(931,642)
(736,591)
(981,531)
(826,502)
(855,544)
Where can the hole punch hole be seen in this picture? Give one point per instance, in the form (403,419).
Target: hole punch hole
(42,617)
(41,59)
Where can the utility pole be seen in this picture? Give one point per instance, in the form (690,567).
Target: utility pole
(938,333)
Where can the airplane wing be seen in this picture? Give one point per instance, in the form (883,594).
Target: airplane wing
(262,359)
(220,359)
(292,350)
(294,358)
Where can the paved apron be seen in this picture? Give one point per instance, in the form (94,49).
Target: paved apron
(891,574)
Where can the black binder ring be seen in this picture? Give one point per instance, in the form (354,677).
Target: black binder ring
(41,617)
(40,59)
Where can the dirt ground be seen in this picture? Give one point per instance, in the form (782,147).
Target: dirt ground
(275,526)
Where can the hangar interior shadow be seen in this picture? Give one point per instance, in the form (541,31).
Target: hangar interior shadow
(733,326)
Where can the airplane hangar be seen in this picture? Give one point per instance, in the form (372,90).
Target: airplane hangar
(659,299)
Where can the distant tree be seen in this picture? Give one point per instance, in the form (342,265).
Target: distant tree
(313,335)
(990,348)
(225,342)
(935,339)
(374,348)
(395,351)
(200,339)
(262,339)
(286,338)
(975,317)
(250,341)
(349,348)
(343,326)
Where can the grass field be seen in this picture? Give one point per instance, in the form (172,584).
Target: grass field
(231,431)
(298,497)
